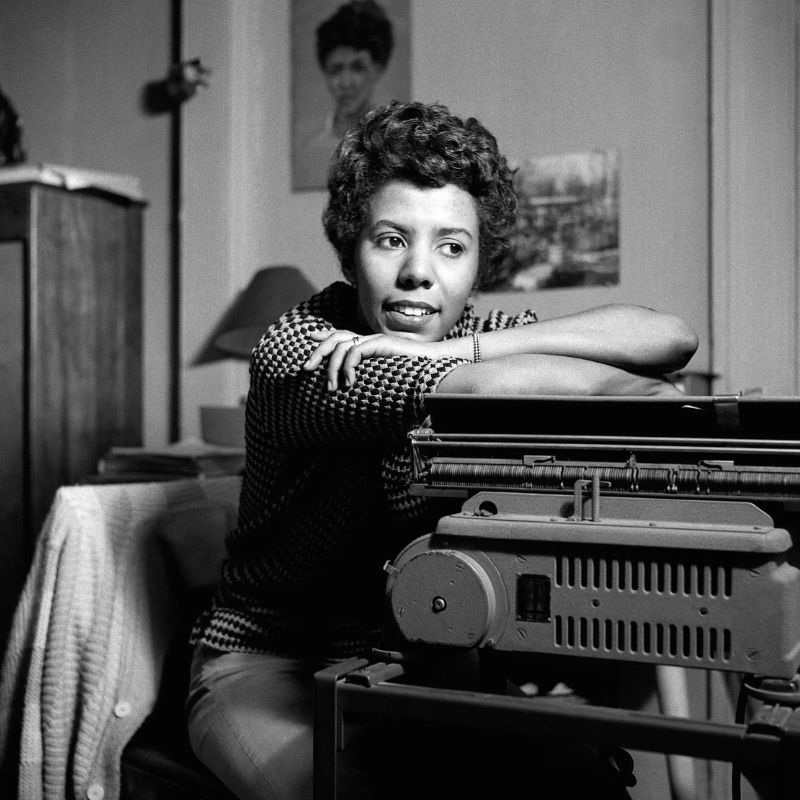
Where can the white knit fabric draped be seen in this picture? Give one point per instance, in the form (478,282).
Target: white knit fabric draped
(84,658)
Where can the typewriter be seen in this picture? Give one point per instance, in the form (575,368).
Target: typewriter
(654,530)
(645,529)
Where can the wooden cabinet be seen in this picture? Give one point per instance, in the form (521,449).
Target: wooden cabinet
(70,351)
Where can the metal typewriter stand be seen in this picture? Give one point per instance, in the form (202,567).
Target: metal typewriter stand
(767,750)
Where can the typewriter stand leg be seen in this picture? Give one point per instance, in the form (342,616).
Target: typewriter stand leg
(790,762)
(780,779)
(328,726)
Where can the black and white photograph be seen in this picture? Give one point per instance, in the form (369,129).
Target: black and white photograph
(347,59)
(400,400)
(567,228)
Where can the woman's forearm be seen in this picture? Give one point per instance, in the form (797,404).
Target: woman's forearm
(550,375)
(629,337)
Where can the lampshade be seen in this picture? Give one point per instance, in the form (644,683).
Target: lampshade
(271,292)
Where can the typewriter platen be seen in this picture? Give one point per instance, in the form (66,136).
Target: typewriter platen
(647,529)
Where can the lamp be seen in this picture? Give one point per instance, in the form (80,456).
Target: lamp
(271,292)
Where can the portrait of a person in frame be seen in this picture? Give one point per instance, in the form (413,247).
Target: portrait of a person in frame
(360,50)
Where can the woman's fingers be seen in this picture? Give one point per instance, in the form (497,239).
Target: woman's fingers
(328,340)
(377,345)
(352,359)
(345,350)
(336,369)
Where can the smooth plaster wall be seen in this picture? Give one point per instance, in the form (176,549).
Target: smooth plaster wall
(546,78)
(707,139)
(755,204)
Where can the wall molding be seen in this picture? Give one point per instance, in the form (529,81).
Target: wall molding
(753,213)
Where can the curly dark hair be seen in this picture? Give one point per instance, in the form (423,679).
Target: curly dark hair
(360,24)
(428,146)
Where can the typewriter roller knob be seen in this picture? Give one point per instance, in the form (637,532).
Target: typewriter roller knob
(443,597)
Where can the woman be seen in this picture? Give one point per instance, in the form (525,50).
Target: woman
(419,213)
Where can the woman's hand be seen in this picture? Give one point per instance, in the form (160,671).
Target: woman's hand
(347,349)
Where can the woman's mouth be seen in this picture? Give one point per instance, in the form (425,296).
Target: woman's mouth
(412,311)
(409,315)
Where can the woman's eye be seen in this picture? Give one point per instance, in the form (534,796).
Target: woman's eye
(452,249)
(391,242)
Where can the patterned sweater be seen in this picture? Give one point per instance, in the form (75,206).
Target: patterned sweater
(325,499)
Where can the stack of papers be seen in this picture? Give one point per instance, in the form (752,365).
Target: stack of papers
(190,458)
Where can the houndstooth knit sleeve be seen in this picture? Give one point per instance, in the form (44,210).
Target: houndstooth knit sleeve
(498,320)
(294,409)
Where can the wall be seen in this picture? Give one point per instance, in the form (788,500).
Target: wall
(578,76)
(754,223)
(700,97)
(209,210)
(561,77)
(245,198)
(74,70)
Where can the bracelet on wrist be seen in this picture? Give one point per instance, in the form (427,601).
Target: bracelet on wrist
(476,348)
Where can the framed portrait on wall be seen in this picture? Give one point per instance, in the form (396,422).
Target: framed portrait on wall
(347,58)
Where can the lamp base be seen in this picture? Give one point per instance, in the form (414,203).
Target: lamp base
(222,425)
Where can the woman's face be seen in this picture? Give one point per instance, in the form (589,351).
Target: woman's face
(351,76)
(416,260)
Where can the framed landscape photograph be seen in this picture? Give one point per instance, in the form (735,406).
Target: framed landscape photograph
(567,228)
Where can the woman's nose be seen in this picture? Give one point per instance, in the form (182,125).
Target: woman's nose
(417,269)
